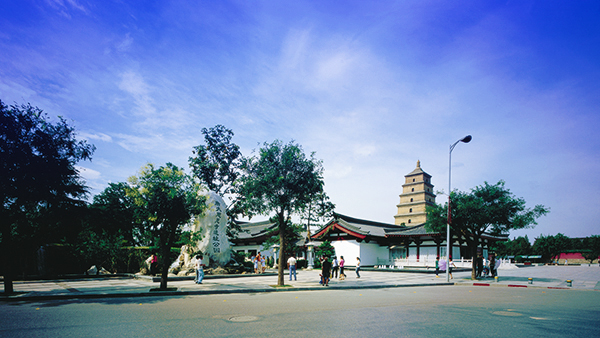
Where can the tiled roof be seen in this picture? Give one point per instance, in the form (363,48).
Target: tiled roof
(255,229)
(360,226)
(416,230)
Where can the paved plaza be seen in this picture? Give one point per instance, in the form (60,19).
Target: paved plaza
(582,277)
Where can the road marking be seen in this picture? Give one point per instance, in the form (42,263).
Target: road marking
(243,319)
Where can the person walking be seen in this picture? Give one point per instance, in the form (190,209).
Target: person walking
(325,271)
(357,267)
(496,265)
(291,263)
(334,267)
(199,269)
(342,274)
(450,265)
(493,265)
(437,267)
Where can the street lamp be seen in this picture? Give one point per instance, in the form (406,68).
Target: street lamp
(465,139)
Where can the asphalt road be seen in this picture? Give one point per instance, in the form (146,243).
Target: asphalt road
(399,312)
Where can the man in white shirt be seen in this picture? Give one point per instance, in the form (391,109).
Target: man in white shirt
(291,263)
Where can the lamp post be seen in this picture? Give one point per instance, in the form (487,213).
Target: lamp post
(465,139)
(275,255)
(311,257)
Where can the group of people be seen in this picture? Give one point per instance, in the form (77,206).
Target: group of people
(330,269)
(259,263)
(483,266)
(486,267)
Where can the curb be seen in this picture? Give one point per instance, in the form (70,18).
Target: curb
(180,278)
(525,286)
(24,297)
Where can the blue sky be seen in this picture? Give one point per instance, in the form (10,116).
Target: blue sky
(371,87)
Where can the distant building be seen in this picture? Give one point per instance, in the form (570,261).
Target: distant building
(417,194)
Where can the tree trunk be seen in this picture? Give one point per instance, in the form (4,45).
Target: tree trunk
(280,268)
(165,266)
(166,249)
(474,261)
(5,247)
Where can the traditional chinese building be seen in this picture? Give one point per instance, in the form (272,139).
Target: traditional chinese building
(406,242)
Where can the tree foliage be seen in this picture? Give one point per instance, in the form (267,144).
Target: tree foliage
(217,165)
(519,246)
(292,236)
(280,180)
(325,249)
(317,210)
(113,211)
(100,248)
(166,200)
(38,179)
(592,246)
(485,209)
(550,246)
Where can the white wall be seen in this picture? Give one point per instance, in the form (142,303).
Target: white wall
(349,249)
(369,252)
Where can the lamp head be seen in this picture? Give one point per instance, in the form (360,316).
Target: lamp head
(467,139)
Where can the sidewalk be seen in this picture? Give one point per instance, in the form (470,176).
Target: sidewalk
(584,277)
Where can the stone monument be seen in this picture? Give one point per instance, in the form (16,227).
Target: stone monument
(213,227)
(214,244)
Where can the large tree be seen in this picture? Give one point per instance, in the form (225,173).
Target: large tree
(550,247)
(217,165)
(110,225)
(166,200)
(519,246)
(280,180)
(591,247)
(485,209)
(38,177)
(113,212)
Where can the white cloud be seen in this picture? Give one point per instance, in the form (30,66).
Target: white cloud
(63,6)
(96,136)
(124,45)
(364,149)
(89,174)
